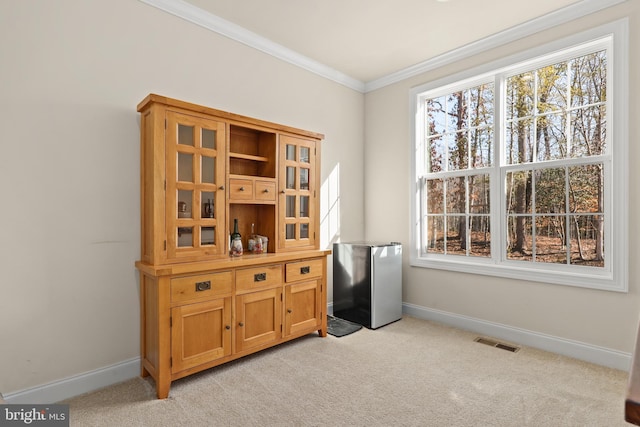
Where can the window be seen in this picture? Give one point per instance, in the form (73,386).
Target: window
(520,167)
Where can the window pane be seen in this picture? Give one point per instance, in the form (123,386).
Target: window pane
(550,191)
(589,126)
(518,141)
(437,154)
(481,105)
(185,198)
(304,154)
(304,206)
(185,135)
(436,116)
(456,195)
(208,170)
(552,88)
(291,152)
(479,192)
(208,236)
(481,145)
(291,207)
(480,236)
(589,79)
(519,192)
(519,238)
(435,234)
(304,231)
(207,200)
(586,188)
(290,231)
(456,243)
(185,237)
(457,110)
(458,154)
(520,96)
(304,179)
(550,240)
(291,177)
(435,196)
(209,139)
(587,240)
(551,137)
(185,167)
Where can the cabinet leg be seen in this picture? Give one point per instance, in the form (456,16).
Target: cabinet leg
(322,332)
(162,389)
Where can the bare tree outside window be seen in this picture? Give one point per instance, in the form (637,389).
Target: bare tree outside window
(557,113)
(554,134)
(460,144)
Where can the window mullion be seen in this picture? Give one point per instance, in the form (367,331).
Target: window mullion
(498,177)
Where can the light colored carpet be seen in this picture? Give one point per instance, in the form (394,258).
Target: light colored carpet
(409,373)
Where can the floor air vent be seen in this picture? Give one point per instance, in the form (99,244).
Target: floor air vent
(497,344)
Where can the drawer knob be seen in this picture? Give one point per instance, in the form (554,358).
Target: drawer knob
(305,270)
(260,277)
(240,324)
(241,188)
(227,327)
(222,187)
(266,190)
(203,286)
(289,311)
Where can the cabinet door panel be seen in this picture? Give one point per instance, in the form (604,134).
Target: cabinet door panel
(200,333)
(195,197)
(258,318)
(298,203)
(302,307)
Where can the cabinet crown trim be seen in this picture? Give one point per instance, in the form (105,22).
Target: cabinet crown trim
(171,102)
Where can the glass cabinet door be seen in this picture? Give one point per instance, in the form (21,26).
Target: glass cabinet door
(298,192)
(195,186)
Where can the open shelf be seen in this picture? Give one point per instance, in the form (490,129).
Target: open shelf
(252,151)
(248,157)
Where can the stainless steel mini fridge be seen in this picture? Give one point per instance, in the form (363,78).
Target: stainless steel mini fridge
(367,283)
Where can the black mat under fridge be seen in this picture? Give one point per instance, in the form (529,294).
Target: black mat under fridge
(340,327)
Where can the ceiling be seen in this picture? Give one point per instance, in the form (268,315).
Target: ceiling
(368,44)
(368,39)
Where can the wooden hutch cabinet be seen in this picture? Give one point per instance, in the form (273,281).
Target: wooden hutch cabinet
(202,169)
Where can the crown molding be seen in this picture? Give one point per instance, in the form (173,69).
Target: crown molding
(550,20)
(235,32)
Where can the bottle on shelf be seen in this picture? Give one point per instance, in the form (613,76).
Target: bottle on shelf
(236,240)
(251,243)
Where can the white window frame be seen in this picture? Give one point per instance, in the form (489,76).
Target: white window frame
(614,275)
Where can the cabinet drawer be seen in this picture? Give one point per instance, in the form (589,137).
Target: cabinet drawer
(265,190)
(309,269)
(259,277)
(240,189)
(201,287)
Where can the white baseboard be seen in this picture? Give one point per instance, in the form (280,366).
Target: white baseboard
(578,350)
(78,384)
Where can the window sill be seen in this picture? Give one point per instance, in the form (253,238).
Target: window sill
(583,277)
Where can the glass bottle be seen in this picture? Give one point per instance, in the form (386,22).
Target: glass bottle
(252,240)
(236,240)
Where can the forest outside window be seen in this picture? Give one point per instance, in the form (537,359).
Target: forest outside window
(520,169)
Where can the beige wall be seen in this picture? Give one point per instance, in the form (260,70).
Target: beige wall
(598,318)
(72,74)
